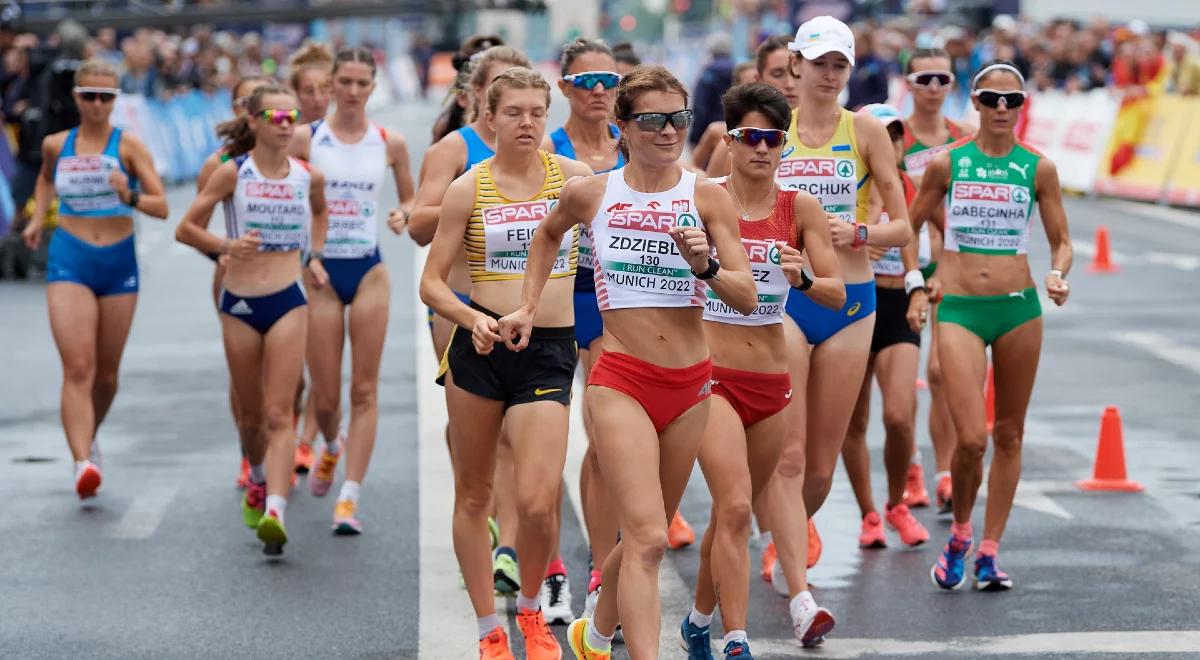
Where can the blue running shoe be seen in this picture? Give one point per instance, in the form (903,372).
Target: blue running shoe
(950,572)
(695,640)
(739,650)
(988,577)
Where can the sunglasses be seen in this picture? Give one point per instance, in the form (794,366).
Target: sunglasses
(653,122)
(92,94)
(926,78)
(589,79)
(279,117)
(992,98)
(752,136)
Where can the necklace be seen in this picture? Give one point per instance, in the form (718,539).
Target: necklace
(746,211)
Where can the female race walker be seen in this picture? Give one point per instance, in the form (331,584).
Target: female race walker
(895,354)
(271,200)
(741,443)
(990,183)
(356,154)
(648,393)
(838,157)
(928,133)
(100,176)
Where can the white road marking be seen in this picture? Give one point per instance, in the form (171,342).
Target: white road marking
(143,516)
(1100,642)
(1181,217)
(1033,495)
(1164,348)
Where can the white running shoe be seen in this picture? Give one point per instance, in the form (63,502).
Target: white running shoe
(811,624)
(556,600)
(589,603)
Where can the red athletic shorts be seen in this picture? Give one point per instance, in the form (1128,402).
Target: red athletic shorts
(664,393)
(754,395)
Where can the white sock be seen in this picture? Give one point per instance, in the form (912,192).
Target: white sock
(943,473)
(487,624)
(531,604)
(802,602)
(277,504)
(335,447)
(700,619)
(79,467)
(764,539)
(597,641)
(736,636)
(916,457)
(258,474)
(349,491)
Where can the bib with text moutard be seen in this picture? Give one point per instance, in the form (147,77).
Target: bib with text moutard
(278,209)
(990,201)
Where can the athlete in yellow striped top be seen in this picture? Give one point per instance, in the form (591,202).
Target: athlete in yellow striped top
(491,212)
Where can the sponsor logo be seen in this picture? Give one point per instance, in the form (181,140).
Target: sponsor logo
(681,205)
(271,190)
(241,308)
(344,207)
(131,282)
(1020,195)
(854,309)
(1022,170)
(788,151)
(981,192)
(788,395)
(654,204)
(827,167)
(325,141)
(845,169)
(686,220)
(543,392)
(247,173)
(964,162)
(760,252)
(522,212)
(659,221)
(82,164)
(619,206)
(705,389)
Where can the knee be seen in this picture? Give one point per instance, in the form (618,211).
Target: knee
(897,421)
(105,381)
(934,374)
(858,426)
(819,484)
(971,449)
(733,516)
(474,499)
(363,396)
(81,371)
(792,461)
(278,418)
(325,404)
(537,514)
(1008,436)
(646,544)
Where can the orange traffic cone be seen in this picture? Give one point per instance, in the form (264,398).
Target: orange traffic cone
(989,398)
(1102,261)
(1109,471)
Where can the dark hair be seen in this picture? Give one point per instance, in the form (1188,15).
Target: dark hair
(757,97)
(921,53)
(475,44)
(355,54)
(1012,70)
(740,69)
(258,78)
(765,49)
(582,45)
(236,133)
(643,80)
(623,53)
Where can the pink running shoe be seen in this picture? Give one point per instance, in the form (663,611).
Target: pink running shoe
(344,522)
(912,532)
(872,535)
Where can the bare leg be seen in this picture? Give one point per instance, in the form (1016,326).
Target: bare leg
(964,365)
(1014,361)
(855,455)
(896,368)
(282,365)
(368,330)
(74,321)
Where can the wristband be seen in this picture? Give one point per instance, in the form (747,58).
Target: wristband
(913,281)
(860,235)
(1057,272)
(134,198)
(319,255)
(806,282)
(713,267)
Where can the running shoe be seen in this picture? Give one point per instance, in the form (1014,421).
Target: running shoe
(506,574)
(540,643)
(945,485)
(494,532)
(589,602)
(577,640)
(344,522)
(303,458)
(949,572)
(769,557)
(739,650)
(814,544)
(679,533)
(915,495)
(254,503)
(243,479)
(812,626)
(988,576)
(912,532)
(321,479)
(94,454)
(779,580)
(272,533)
(87,480)
(494,646)
(695,640)
(556,600)
(872,535)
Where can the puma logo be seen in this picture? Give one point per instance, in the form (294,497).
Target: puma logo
(1022,169)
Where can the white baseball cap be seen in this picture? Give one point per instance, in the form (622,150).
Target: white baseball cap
(885,113)
(823,34)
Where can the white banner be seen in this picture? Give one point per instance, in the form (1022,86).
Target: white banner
(1073,130)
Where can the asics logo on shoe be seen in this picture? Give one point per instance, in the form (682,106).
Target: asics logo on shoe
(241,308)
(542,392)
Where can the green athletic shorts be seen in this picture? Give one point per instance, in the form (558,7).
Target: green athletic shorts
(990,317)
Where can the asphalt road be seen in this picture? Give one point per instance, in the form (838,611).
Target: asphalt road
(160,564)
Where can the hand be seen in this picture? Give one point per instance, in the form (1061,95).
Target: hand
(875,252)
(485,334)
(246,246)
(792,261)
(516,328)
(918,310)
(397,221)
(840,231)
(319,276)
(935,289)
(1057,288)
(120,184)
(693,245)
(32,234)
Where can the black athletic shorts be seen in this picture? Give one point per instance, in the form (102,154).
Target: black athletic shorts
(543,371)
(891,324)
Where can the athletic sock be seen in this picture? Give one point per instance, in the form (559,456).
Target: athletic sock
(334,447)
(258,474)
(801,603)
(916,457)
(349,491)
(961,531)
(764,539)
(529,604)
(505,550)
(596,641)
(736,636)
(79,467)
(943,473)
(989,548)
(487,624)
(277,504)
(699,619)
(556,567)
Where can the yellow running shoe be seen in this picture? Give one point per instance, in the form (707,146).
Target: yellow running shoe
(577,640)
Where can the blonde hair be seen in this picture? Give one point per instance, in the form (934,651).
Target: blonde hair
(311,55)
(482,62)
(515,78)
(96,68)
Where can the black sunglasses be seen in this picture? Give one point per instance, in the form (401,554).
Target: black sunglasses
(752,136)
(992,98)
(653,122)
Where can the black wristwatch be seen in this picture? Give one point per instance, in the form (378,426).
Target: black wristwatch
(319,255)
(134,198)
(806,282)
(713,267)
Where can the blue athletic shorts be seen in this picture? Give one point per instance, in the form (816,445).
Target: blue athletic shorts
(346,274)
(820,323)
(588,326)
(262,312)
(108,270)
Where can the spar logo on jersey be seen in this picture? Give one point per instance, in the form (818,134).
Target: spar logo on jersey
(968,191)
(272,190)
(681,205)
(761,252)
(645,220)
(348,207)
(1020,195)
(825,167)
(522,212)
(83,164)
(687,220)
(775,255)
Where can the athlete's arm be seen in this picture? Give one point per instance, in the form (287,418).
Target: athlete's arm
(881,163)
(934,184)
(193,227)
(43,191)
(720,163)
(152,198)
(320,225)
(1054,220)
(572,168)
(709,141)
(733,283)
(443,163)
(446,247)
(301,142)
(397,149)
(828,288)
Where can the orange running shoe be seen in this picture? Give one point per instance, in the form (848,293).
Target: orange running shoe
(539,641)
(943,494)
(577,639)
(912,532)
(494,646)
(769,557)
(680,534)
(814,544)
(320,480)
(303,458)
(915,495)
(243,479)
(872,535)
